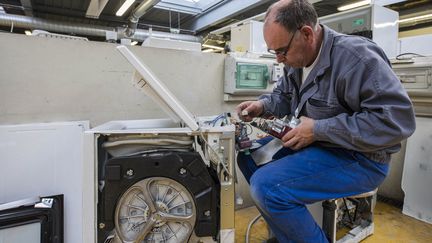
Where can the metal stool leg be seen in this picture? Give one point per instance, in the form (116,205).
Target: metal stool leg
(330,219)
(360,222)
(364,226)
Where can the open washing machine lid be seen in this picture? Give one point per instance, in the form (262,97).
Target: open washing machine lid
(145,80)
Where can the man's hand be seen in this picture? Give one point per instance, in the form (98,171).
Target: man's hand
(249,109)
(301,136)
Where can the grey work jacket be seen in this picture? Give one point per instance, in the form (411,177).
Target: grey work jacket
(356,100)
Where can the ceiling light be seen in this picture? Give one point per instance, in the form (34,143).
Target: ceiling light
(354,5)
(126,5)
(133,43)
(213,47)
(28,32)
(416,18)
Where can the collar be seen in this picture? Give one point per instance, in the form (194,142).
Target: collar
(324,58)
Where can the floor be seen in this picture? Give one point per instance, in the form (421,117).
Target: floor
(390,226)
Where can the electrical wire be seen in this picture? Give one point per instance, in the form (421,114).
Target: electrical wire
(251,129)
(402,55)
(219,160)
(251,223)
(221,116)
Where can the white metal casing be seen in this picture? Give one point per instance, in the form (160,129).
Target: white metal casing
(217,137)
(416,44)
(417,177)
(248,37)
(45,159)
(383,23)
(171,44)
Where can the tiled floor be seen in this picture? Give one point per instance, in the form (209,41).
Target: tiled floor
(390,226)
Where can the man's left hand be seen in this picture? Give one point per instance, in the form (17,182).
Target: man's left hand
(300,136)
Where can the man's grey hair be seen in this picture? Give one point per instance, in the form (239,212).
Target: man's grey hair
(292,14)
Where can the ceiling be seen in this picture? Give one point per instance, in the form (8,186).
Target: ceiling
(192,17)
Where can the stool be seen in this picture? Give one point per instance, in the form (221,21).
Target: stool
(355,212)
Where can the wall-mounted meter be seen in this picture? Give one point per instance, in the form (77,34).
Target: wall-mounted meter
(250,76)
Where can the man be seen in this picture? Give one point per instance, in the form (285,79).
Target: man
(353,111)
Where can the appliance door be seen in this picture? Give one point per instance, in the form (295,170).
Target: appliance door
(32,221)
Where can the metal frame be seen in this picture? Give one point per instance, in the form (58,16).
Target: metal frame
(95,8)
(145,80)
(361,228)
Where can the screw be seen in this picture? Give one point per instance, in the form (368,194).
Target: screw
(130,172)
(207,213)
(182,171)
(101,225)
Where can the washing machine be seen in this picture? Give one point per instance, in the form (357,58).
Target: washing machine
(159,180)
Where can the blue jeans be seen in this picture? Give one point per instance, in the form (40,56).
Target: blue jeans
(282,188)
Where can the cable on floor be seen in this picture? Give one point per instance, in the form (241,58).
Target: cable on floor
(251,223)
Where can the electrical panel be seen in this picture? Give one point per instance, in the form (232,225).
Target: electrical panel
(250,76)
(415,74)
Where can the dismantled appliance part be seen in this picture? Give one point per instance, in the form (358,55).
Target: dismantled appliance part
(162,180)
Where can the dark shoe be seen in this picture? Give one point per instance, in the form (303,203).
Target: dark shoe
(272,240)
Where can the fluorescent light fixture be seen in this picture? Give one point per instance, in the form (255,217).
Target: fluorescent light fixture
(354,5)
(416,18)
(28,32)
(133,43)
(126,5)
(213,47)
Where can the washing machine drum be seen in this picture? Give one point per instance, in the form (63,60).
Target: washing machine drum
(158,197)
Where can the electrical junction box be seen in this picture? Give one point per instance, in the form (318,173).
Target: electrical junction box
(415,75)
(250,76)
(375,22)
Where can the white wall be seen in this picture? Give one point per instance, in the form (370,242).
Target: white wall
(45,80)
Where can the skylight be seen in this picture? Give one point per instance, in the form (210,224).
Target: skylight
(192,7)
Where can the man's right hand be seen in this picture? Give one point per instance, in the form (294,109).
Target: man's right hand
(249,109)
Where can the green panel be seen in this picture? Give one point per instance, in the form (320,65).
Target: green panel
(358,22)
(252,76)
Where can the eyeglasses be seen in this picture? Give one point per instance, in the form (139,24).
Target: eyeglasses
(283,50)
